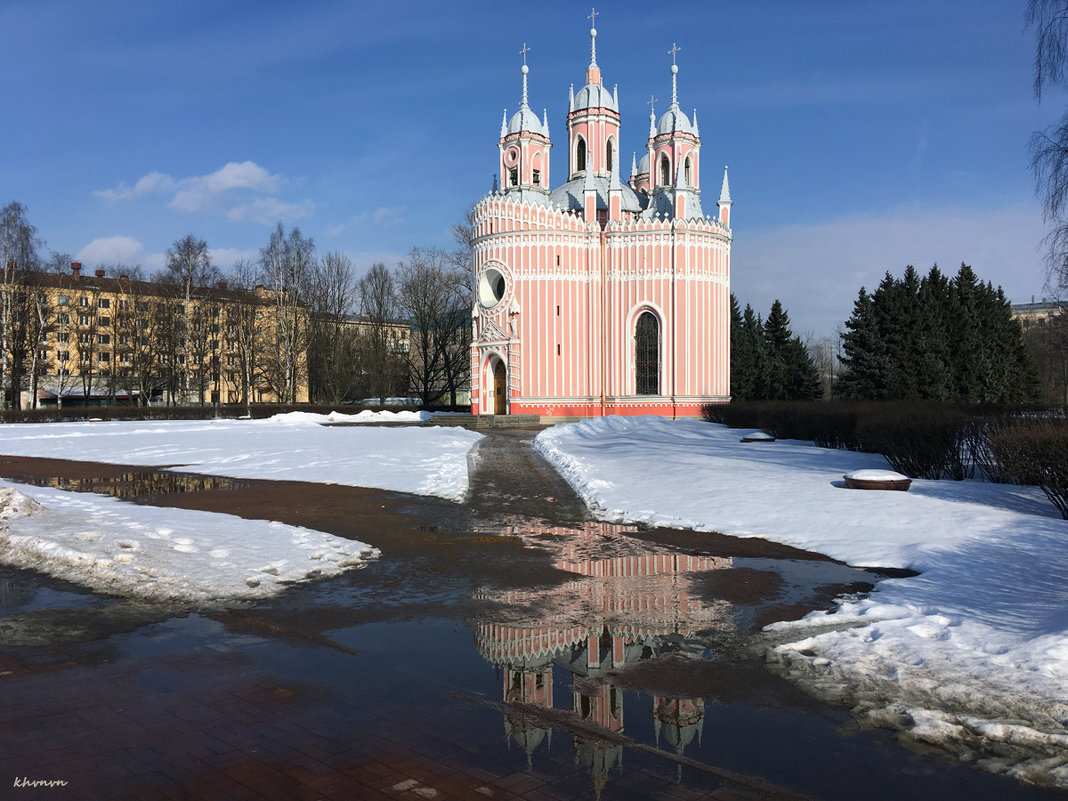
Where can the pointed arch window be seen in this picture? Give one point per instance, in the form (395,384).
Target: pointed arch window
(647,354)
(580,155)
(665,170)
(608,154)
(686,171)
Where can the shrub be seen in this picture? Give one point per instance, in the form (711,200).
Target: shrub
(921,440)
(1033,451)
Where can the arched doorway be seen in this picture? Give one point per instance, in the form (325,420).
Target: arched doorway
(647,354)
(500,388)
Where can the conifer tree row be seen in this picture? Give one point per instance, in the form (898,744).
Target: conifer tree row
(767,361)
(935,338)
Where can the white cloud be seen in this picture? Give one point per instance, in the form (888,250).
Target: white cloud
(147,184)
(816,270)
(232,181)
(270,210)
(199,191)
(113,250)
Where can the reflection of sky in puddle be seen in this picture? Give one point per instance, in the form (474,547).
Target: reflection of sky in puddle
(23,591)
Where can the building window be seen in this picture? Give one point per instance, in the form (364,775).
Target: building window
(104,303)
(665,170)
(64,300)
(141,306)
(103,339)
(580,155)
(104,321)
(83,319)
(64,336)
(608,154)
(513,177)
(84,302)
(42,355)
(647,354)
(64,355)
(105,356)
(686,170)
(85,339)
(537,177)
(124,305)
(63,319)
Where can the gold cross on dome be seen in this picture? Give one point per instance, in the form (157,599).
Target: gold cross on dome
(674,49)
(524,52)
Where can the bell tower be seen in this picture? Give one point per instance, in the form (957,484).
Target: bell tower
(524,146)
(593,123)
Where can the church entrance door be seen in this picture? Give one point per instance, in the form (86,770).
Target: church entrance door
(500,383)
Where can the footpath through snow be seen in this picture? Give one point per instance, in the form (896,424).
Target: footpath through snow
(190,557)
(971,655)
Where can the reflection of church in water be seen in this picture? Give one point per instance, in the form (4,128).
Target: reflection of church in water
(619,611)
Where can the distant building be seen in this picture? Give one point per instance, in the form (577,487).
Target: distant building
(93,340)
(1045,331)
(600,297)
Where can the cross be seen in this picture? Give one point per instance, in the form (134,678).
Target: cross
(652,102)
(674,49)
(593,18)
(524,52)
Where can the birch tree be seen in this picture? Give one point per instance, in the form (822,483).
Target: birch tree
(18,252)
(287,264)
(188,266)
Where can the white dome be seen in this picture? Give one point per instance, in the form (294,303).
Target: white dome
(675,121)
(643,165)
(526,120)
(594,95)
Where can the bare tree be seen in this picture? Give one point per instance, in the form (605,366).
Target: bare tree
(18,253)
(378,347)
(287,264)
(242,332)
(331,340)
(188,266)
(1049,148)
(433,295)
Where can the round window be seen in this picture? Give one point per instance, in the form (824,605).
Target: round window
(491,287)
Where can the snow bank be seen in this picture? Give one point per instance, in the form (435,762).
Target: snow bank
(975,646)
(163,554)
(366,416)
(422,460)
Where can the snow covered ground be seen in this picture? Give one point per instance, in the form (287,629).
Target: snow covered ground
(163,554)
(159,554)
(971,655)
(421,460)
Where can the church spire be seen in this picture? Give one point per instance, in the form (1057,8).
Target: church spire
(593,72)
(674,75)
(725,191)
(524,69)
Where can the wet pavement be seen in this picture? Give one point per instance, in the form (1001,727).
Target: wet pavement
(509,647)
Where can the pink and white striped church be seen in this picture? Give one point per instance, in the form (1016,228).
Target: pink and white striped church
(600,297)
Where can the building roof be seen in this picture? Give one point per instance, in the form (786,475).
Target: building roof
(569,197)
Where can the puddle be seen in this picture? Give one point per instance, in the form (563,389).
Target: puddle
(484,655)
(136,485)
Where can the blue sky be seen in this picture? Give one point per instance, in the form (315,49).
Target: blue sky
(861,136)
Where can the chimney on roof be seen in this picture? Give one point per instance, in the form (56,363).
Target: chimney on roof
(99,273)
(76,268)
(223,285)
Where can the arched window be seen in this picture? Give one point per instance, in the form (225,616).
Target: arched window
(665,170)
(580,155)
(647,354)
(608,153)
(686,170)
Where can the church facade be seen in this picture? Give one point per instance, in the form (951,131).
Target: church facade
(600,297)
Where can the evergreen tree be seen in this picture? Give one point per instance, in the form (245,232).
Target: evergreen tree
(755,370)
(741,358)
(866,369)
(791,374)
(936,339)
